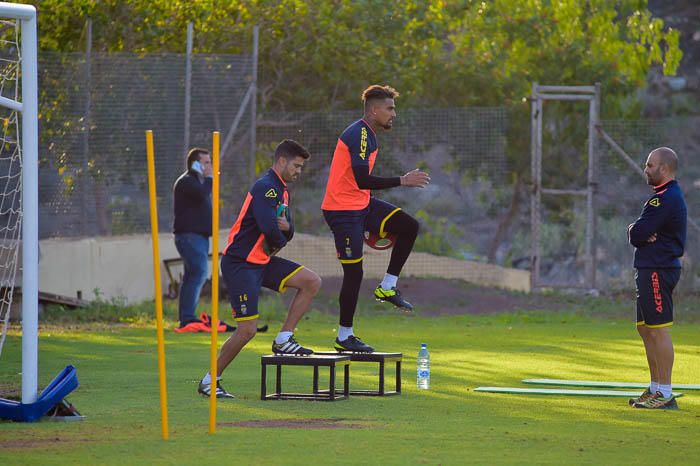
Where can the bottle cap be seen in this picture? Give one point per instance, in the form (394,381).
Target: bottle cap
(423,345)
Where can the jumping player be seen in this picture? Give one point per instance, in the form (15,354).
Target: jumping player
(350,210)
(264,227)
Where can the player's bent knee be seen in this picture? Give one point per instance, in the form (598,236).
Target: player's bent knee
(412,226)
(313,283)
(247,329)
(403,225)
(309,282)
(306,280)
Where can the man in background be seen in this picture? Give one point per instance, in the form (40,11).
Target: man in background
(192,229)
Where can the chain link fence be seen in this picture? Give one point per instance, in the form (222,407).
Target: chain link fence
(92,135)
(93,173)
(93,165)
(463,149)
(620,194)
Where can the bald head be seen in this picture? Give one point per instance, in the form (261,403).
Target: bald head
(667,157)
(661,166)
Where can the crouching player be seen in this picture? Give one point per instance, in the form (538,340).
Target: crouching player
(263,227)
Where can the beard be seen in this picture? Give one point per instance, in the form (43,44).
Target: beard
(653,179)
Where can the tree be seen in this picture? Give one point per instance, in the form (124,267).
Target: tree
(501,47)
(319,54)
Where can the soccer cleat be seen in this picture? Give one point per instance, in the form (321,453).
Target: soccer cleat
(353,345)
(641,398)
(193,327)
(392,296)
(657,401)
(205,389)
(290,347)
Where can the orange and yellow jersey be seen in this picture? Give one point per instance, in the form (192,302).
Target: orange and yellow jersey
(356,147)
(255,234)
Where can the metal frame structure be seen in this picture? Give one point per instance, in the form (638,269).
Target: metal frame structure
(566,93)
(28,107)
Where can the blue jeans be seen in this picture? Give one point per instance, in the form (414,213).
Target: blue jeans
(194,251)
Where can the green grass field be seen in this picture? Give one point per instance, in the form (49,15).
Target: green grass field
(448,424)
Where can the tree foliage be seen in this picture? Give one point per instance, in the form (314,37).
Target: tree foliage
(319,54)
(501,47)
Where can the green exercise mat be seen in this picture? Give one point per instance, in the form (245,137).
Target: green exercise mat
(562,391)
(590,383)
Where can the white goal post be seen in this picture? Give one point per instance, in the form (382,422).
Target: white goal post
(27,107)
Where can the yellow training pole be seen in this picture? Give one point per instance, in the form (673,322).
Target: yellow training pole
(214,277)
(157,284)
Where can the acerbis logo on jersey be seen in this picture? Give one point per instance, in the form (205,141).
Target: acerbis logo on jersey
(363,143)
(271,193)
(656,202)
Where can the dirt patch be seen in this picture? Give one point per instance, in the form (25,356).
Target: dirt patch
(433,297)
(32,442)
(10,391)
(294,424)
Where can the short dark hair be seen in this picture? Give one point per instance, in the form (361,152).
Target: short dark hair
(290,149)
(668,157)
(194,155)
(378,92)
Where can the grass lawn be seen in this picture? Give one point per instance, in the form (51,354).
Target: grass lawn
(448,424)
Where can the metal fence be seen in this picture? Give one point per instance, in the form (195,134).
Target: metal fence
(623,191)
(92,134)
(93,165)
(462,148)
(620,194)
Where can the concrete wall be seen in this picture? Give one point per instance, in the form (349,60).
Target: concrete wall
(121,266)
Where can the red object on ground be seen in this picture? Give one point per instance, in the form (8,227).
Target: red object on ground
(193,327)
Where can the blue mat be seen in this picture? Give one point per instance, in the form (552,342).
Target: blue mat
(59,388)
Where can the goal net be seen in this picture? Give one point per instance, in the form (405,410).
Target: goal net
(10,172)
(18,182)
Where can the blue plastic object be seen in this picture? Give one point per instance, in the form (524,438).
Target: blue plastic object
(59,388)
(282,210)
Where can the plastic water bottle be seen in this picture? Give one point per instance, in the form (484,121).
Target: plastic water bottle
(423,376)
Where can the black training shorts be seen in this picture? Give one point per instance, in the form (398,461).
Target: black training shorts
(654,296)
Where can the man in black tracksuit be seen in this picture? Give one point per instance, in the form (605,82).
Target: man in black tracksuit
(192,229)
(659,238)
